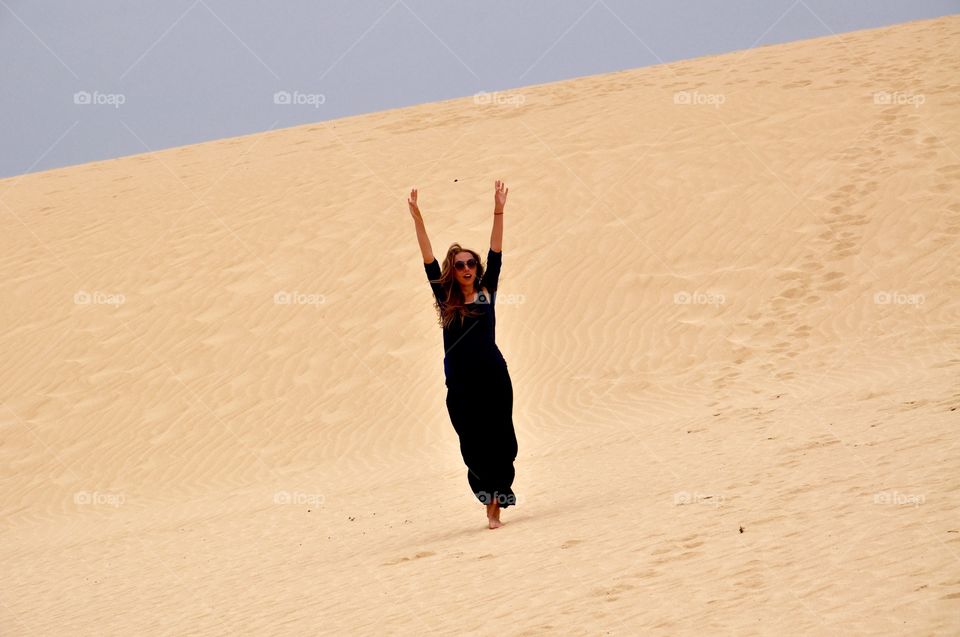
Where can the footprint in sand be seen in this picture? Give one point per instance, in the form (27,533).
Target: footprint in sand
(408,559)
(611,594)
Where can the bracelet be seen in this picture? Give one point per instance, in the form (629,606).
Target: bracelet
(497,213)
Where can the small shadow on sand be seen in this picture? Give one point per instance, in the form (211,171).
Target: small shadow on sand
(509,519)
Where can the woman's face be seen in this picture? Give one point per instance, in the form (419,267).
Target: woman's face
(466,275)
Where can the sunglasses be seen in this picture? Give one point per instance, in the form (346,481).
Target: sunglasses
(470,263)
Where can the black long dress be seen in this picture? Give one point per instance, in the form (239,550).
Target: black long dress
(479,391)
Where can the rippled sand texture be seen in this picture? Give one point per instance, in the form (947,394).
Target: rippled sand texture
(729,304)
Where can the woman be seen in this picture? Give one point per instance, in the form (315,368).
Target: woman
(479,390)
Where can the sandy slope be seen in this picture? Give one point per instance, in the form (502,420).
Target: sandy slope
(778,455)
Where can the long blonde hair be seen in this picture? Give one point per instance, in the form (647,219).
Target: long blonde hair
(454,302)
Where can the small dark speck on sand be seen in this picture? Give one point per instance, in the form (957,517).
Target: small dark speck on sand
(741,528)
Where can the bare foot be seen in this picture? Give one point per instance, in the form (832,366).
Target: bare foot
(493,515)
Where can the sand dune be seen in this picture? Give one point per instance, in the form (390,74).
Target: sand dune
(729,304)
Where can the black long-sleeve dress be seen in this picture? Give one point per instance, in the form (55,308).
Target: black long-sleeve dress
(479,390)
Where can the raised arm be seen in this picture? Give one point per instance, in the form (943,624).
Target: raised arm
(425,248)
(499,201)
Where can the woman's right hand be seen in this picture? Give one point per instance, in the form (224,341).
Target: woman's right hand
(414,208)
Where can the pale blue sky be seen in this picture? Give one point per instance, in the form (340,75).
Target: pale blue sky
(175,72)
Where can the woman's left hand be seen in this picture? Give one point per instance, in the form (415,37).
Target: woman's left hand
(500,196)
